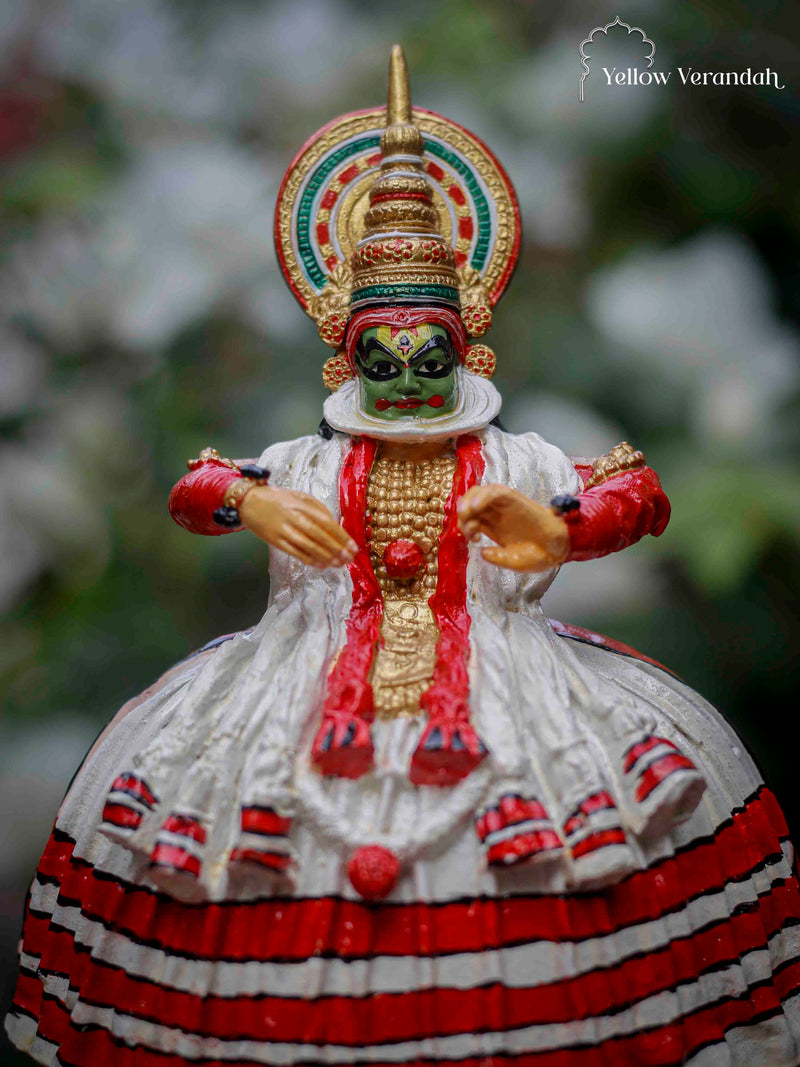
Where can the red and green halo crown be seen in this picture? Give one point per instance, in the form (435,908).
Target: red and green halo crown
(396,206)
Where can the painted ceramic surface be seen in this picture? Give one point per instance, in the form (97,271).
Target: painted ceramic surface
(406,818)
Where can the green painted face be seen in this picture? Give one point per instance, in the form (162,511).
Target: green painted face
(406,371)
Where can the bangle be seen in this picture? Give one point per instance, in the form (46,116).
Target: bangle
(227,517)
(252,475)
(252,470)
(564,503)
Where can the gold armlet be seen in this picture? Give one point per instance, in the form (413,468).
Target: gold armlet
(623,457)
(252,474)
(206,455)
(238,490)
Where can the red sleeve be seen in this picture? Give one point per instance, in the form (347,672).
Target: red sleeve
(198,494)
(617,513)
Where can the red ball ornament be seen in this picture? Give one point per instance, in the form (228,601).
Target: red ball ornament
(403,559)
(373,871)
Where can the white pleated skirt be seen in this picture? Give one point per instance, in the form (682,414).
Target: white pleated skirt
(690,956)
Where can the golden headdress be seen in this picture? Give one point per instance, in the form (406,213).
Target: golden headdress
(396,206)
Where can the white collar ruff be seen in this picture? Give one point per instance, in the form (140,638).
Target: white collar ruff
(478,403)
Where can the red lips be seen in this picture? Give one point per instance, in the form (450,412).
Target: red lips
(409,403)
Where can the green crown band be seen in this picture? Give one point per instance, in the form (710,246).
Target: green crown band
(444,293)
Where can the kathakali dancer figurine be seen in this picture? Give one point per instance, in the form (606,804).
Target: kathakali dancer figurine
(407,819)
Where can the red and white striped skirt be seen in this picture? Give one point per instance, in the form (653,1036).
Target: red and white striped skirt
(693,958)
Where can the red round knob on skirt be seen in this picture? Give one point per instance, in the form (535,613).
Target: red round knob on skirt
(403,559)
(373,871)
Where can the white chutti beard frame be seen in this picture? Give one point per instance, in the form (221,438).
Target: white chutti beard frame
(478,403)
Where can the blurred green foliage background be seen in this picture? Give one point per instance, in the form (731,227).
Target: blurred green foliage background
(145,317)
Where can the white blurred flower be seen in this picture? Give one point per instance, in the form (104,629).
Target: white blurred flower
(613,585)
(136,53)
(544,97)
(57,281)
(298,413)
(702,315)
(549,184)
(562,421)
(21,557)
(22,371)
(89,426)
(229,68)
(301,48)
(269,306)
(52,520)
(15,21)
(36,767)
(583,591)
(190,224)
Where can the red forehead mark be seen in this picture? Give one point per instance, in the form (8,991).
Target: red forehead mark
(395,330)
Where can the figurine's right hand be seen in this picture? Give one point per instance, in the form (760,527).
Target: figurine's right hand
(298,524)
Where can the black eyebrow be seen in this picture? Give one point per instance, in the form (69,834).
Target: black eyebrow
(437,341)
(440,341)
(373,345)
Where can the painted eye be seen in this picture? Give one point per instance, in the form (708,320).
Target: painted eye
(430,366)
(382,370)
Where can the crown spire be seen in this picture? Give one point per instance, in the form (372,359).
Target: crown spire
(402,255)
(401,136)
(398,109)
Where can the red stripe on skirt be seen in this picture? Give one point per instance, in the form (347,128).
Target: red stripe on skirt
(297,929)
(119,815)
(353,1020)
(509,811)
(186,826)
(639,749)
(661,1046)
(262,821)
(176,858)
(659,770)
(597,802)
(515,809)
(129,783)
(274,860)
(523,846)
(593,842)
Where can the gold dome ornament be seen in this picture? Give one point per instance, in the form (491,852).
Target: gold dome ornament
(336,371)
(476,311)
(330,310)
(481,360)
(392,206)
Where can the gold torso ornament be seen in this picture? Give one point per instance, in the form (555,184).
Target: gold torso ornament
(405,502)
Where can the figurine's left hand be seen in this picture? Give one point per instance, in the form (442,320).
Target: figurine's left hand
(529,536)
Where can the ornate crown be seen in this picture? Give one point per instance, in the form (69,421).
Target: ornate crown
(396,206)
